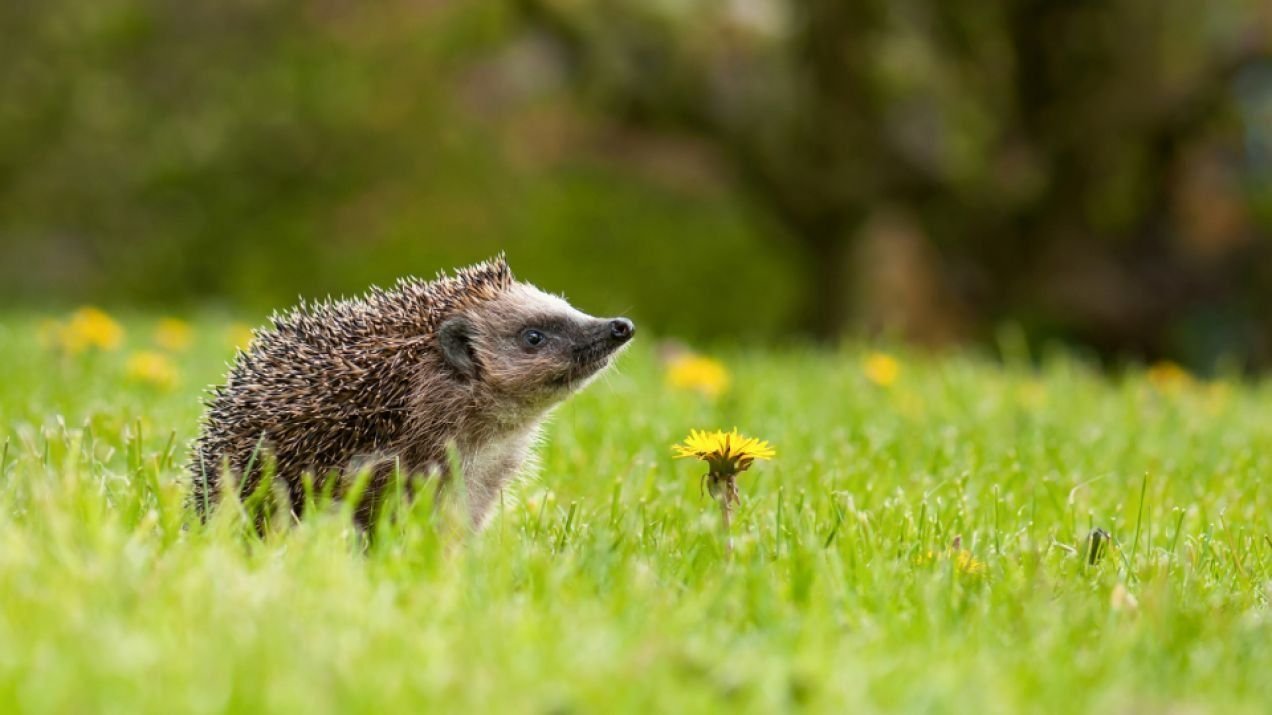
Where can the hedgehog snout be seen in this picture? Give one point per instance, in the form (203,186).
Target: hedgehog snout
(602,338)
(621,330)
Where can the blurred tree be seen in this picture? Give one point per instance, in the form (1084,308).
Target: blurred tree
(247,151)
(1090,170)
(1047,151)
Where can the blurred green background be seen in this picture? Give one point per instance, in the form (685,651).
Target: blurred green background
(752,170)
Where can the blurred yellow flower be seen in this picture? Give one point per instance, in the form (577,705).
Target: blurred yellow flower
(727,452)
(1218,395)
(173,334)
(1168,376)
(537,502)
(240,335)
(1031,394)
(87,328)
(698,372)
(963,560)
(151,368)
(881,368)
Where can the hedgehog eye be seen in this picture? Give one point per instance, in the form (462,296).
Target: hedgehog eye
(533,338)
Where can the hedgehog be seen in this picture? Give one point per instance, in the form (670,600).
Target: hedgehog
(405,382)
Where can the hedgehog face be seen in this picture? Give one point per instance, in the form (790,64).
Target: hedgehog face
(529,349)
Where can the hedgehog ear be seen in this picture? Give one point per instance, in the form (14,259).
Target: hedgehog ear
(456,339)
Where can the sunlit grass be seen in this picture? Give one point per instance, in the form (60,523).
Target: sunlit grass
(918,548)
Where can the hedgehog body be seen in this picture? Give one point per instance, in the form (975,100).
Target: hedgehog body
(388,382)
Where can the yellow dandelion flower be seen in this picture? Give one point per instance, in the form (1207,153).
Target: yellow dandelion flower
(240,335)
(151,368)
(91,327)
(173,334)
(537,502)
(1218,394)
(964,561)
(1168,376)
(967,563)
(699,373)
(881,368)
(1031,394)
(726,452)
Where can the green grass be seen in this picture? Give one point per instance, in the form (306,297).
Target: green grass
(603,586)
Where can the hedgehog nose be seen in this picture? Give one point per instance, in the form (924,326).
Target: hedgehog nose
(622,329)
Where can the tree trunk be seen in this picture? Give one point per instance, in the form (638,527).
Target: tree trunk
(829,292)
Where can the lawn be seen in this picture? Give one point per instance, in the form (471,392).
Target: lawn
(604,585)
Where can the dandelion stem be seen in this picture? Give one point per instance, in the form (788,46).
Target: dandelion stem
(724,520)
(724,489)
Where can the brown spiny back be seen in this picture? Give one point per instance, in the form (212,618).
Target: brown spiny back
(331,383)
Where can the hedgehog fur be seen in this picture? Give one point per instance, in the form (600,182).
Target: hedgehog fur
(391,381)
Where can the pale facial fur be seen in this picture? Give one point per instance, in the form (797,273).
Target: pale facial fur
(522,353)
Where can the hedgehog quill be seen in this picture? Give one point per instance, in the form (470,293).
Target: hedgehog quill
(387,383)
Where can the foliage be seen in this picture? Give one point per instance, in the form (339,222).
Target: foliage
(919,548)
(247,152)
(1086,169)
(1096,172)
